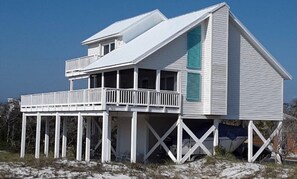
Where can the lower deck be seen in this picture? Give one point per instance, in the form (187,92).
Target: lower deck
(133,136)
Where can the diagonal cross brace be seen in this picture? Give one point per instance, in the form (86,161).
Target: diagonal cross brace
(198,142)
(266,142)
(100,141)
(161,141)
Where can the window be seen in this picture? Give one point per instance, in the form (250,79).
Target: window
(108,48)
(193,87)
(168,80)
(194,48)
(194,64)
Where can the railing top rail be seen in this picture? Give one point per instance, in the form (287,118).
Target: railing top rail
(143,89)
(84,57)
(79,90)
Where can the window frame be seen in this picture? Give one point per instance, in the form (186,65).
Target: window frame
(109,44)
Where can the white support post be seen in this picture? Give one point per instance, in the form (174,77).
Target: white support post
(118,86)
(79,137)
(37,142)
(158,80)
(57,136)
(179,145)
(215,135)
(46,137)
(178,82)
(88,139)
(109,148)
(104,151)
(250,141)
(135,83)
(71,85)
(102,80)
(64,138)
(23,139)
(89,82)
(133,137)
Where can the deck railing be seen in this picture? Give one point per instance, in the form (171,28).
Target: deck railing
(103,96)
(76,97)
(79,63)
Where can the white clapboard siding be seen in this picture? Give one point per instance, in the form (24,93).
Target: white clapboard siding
(219,61)
(206,31)
(255,88)
(173,56)
(94,49)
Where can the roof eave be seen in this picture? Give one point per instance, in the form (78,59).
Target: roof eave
(87,42)
(278,67)
(108,67)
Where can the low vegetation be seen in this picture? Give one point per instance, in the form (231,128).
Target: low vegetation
(12,166)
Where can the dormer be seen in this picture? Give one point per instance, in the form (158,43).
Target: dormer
(121,32)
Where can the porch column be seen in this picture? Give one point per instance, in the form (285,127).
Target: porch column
(23,139)
(135,78)
(88,139)
(57,136)
(158,80)
(215,135)
(178,82)
(250,141)
(102,80)
(105,142)
(118,86)
(37,142)
(46,137)
(64,138)
(89,82)
(133,137)
(70,84)
(179,146)
(79,137)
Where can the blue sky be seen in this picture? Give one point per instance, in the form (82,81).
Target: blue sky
(36,37)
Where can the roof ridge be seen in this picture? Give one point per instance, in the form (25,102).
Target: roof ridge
(146,13)
(209,7)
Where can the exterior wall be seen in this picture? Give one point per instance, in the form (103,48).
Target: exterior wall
(219,61)
(94,49)
(214,71)
(255,88)
(173,57)
(206,31)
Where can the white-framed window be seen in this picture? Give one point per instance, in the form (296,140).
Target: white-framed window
(108,47)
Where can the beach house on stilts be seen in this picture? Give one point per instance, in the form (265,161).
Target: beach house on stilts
(155,79)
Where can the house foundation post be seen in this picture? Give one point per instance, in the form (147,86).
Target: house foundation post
(250,141)
(46,137)
(79,137)
(179,143)
(215,135)
(37,142)
(88,139)
(23,139)
(133,137)
(109,139)
(104,152)
(64,138)
(57,136)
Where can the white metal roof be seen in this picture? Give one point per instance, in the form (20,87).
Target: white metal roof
(116,28)
(151,40)
(161,34)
